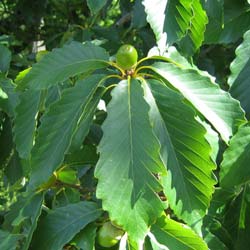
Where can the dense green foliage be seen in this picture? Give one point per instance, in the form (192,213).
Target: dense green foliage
(97,155)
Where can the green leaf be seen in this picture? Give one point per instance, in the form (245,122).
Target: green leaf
(212,137)
(155,11)
(240,74)
(237,218)
(6,143)
(236,21)
(62,224)
(214,242)
(9,241)
(62,63)
(13,168)
(215,13)
(138,15)
(25,123)
(129,156)
(184,151)
(85,156)
(175,235)
(96,5)
(5,58)
(85,239)
(65,196)
(234,167)
(8,104)
(206,96)
(23,216)
(228,20)
(194,34)
(85,121)
(3,95)
(57,128)
(177,21)
(21,75)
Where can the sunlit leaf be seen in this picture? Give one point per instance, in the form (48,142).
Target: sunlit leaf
(177,21)
(129,156)
(206,96)
(174,235)
(184,151)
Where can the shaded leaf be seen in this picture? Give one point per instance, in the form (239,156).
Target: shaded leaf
(85,121)
(185,153)
(8,104)
(13,169)
(24,125)
(206,96)
(5,58)
(62,224)
(175,235)
(85,239)
(234,169)
(215,13)
(240,74)
(6,143)
(236,21)
(23,216)
(138,15)
(9,241)
(237,217)
(129,155)
(85,156)
(214,242)
(96,5)
(62,63)
(57,127)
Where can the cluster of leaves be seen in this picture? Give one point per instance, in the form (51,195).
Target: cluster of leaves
(161,150)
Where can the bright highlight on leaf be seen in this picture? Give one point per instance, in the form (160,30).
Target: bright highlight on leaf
(206,96)
(184,150)
(177,21)
(175,235)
